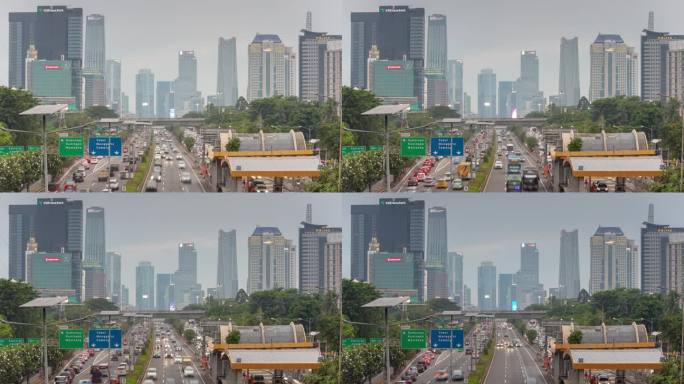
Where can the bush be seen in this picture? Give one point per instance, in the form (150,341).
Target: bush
(575,337)
(575,145)
(233,337)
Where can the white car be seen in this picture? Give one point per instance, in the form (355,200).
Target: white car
(498,164)
(178,156)
(151,373)
(181,164)
(114,184)
(185,178)
(177,359)
(188,372)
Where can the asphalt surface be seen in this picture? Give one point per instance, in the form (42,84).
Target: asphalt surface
(497,177)
(171,172)
(169,372)
(513,365)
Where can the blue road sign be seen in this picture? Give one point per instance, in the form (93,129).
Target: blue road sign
(447,146)
(439,338)
(100,146)
(104,338)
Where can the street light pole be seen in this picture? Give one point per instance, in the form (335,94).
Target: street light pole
(45,160)
(45,353)
(387,161)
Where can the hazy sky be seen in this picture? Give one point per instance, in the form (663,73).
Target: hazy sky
(145,227)
(491,33)
(149,33)
(482,226)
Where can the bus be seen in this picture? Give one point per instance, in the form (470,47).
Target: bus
(530,180)
(509,147)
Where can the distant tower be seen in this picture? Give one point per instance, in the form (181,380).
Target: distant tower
(308,214)
(308,20)
(651,213)
(650,21)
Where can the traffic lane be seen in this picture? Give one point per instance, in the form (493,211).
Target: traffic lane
(531,365)
(196,184)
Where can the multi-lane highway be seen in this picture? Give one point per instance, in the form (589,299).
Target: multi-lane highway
(178,172)
(169,371)
(513,364)
(497,178)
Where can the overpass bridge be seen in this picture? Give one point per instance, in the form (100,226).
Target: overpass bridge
(525,315)
(189,314)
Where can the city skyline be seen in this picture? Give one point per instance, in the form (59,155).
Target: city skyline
(159,49)
(490,48)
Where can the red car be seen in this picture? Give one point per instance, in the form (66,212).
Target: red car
(413,181)
(420,176)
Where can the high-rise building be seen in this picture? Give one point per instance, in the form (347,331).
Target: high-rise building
(613,260)
(467,104)
(57,33)
(568,266)
(227,276)
(486,93)
(113,276)
(392,81)
(655,48)
(94,280)
(437,249)
(113,85)
(455,277)
(320,258)
(320,62)
(506,296)
(527,86)
(398,32)
(455,84)
(144,286)
(57,227)
(95,89)
(437,43)
(269,255)
(125,109)
(95,235)
(614,68)
(166,107)
(675,262)
(94,62)
(266,71)
(569,81)
(675,71)
(528,290)
(50,81)
(486,286)
(364,219)
(49,273)
(395,273)
(507,98)
(144,93)
(227,80)
(436,89)
(308,20)
(185,278)
(125,298)
(467,296)
(186,97)
(290,61)
(655,259)
(163,290)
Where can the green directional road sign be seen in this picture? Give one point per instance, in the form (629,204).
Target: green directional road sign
(33,340)
(16,341)
(70,339)
(34,148)
(71,146)
(413,338)
(350,342)
(4,342)
(376,148)
(352,149)
(376,340)
(413,146)
(9,149)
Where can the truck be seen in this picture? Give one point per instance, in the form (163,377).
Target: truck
(530,180)
(464,170)
(513,183)
(103,175)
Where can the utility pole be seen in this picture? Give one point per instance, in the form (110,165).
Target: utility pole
(681,160)
(388,187)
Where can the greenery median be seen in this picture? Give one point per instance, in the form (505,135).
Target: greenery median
(138,180)
(479,374)
(478,184)
(140,366)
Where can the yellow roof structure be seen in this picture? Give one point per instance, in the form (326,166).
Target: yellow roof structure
(293,358)
(641,358)
(628,166)
(287,166)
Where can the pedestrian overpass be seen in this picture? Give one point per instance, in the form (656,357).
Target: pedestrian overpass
(189,314)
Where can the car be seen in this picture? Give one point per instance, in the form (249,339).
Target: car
(181,164)
(442,184)
(429,181)
(69,185)
(412,181)
(456,184)
(85,381)
(156,355)
(441,375)
(177,359)
(420,176)
(498,164)
(188,372)
(457,375)
(114,357)
(185,177)
(601,186)
(261,188)
(148,381)
(151,373)
(150,187)
(168,355)
(78,176)
(178,156)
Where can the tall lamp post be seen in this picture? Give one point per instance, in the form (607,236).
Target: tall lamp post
(386,303)
(44,303)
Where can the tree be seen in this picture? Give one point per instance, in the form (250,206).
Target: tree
(241,297)
(241,104)
(575,145)
(12,295)
(575,337)
(233,145)
(100,304)
(100,112)
(354,295)
(531,335)
(531,142)
(189,142)
(12,103)
(233,337)
(443,112)
(354,103)
(5,137)
(5,329)
(189,335)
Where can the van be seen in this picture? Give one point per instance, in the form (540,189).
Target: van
(151,187)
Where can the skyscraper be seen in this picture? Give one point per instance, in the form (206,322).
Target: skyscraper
(144,93)
(95,235)
(505,292)
(613,68)
(227,81)
(486,286)
(437,43)
(656,260)
(266,70)
(455,84)
(507,98)
(144,286)
(319,63)
(568,267)
(185,278)
(398,32)
(527,86)
(57,32)
(227,277)
(125,297)
(455,276)
(269,260)
(613,260)
(56,226)
(186,97)
(113,276)
(655,48)
(569,82)
(467,296)
(320,259)
(528,290)
(436,260)
(364,219)
(163,288)
(94,63)
(486,93)
(290,61)
(166,99)
(113,85)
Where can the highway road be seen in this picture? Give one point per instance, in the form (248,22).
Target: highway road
(173,156)
(514,365)
(168,371)
(497,177)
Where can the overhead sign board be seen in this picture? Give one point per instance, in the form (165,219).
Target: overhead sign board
(70,339)
(413,146)
(353,149)
(71,146)
(350,342)
(447,146)
(413,338)
(9,149)
(104,146)
(104,338)
(439,338)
